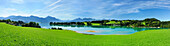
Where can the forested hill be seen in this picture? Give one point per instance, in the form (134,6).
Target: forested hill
(148,22)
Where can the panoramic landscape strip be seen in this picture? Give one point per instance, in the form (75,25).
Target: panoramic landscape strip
(26,36)
(84,22)
(149,22)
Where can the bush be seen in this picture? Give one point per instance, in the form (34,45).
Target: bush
(56,28)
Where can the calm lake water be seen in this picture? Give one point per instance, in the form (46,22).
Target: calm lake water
(100,30)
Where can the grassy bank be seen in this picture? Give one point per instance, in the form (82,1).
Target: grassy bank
(14,35)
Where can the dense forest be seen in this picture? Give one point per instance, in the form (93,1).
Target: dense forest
(148,22)
(21,23)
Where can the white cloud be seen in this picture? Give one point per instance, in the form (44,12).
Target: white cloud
(164,6)
(54,7)
(17,1)
(54,3)
(10,9)
(47,9)
(135,6)
(118,4)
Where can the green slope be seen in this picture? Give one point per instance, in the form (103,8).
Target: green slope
(26,36)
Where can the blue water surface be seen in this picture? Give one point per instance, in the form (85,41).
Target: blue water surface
(101,30)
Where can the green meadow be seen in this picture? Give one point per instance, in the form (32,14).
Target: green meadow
(27,36)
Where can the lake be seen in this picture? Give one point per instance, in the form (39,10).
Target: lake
(100,30)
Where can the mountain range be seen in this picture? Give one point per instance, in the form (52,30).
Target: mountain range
(44,20)
(32,18)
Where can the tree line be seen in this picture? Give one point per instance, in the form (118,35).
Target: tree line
(21,23)
(148,22)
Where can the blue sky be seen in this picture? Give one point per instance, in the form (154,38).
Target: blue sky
(98,9)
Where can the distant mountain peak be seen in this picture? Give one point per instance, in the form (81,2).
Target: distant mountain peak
(50,17)
(78,19)
(88,19)
(34,16)
(12,16)
(84,19)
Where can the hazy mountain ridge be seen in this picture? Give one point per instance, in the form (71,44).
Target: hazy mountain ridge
(44,20)
(32,18)
(1,17)
(82,19)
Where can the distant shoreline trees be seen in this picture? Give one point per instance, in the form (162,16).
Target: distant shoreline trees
(21,23)
(31,24)
(148,22)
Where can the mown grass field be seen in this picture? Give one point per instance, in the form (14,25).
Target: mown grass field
(26,36)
